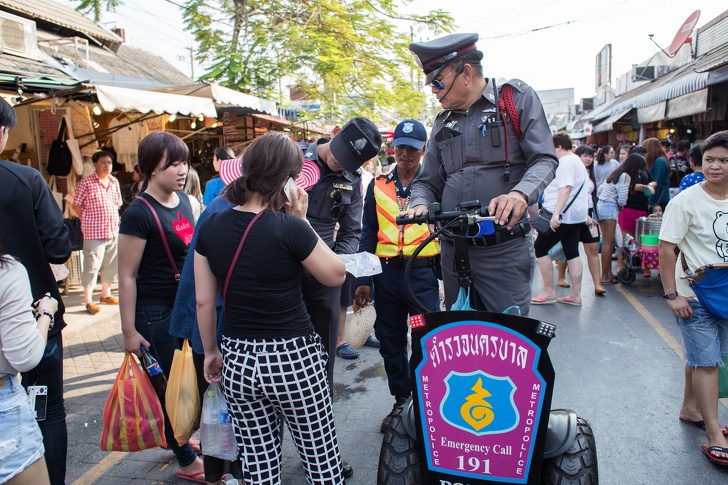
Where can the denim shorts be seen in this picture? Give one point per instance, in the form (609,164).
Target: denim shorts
(21,443)
(607,210)
(705,337)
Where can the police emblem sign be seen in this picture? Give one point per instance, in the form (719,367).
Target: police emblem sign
(480,401)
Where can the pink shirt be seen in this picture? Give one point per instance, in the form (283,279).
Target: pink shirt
(100,205)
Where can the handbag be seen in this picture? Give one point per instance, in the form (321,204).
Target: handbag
(361,325)
(710,285)
(73,224)
(542,224)
(60,158)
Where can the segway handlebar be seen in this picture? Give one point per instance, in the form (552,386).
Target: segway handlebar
(470,211)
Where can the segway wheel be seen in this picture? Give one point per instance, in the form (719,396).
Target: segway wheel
(578,465)
(399,463)
(626,276)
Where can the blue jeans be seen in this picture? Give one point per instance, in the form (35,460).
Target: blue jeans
(705,337)
(49,372)
(152,322)
(21,443)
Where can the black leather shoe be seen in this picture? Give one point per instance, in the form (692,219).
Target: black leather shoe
(399,403)
(348,470)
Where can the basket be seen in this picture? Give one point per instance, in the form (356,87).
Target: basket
(360,326)
(650,240)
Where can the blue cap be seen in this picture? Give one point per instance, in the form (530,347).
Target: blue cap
(410,133)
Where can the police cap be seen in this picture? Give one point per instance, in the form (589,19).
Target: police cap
(434,55)
(358,142)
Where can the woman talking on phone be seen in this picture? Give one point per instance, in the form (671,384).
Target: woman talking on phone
(272,362)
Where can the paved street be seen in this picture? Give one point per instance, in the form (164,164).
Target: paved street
(616,362)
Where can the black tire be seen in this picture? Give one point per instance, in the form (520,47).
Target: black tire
(578,466)
(399,463)
(626,276)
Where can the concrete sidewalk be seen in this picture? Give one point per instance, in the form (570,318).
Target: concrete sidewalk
(93,350)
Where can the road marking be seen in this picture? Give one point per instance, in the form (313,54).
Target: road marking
(659,328)
(663,332)
(98,470)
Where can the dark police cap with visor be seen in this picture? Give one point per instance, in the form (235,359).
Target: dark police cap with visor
(357,142)
(434,55)
(410,133)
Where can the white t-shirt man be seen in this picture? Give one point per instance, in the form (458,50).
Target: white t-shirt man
(570,172)
(698,224)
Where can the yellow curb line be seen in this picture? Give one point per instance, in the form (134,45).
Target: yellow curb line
(659,328)
(98,470)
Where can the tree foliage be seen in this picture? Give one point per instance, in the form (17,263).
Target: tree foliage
(95,7)
(351,55)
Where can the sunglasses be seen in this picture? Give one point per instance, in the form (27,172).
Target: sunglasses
(440,85)
(335,211)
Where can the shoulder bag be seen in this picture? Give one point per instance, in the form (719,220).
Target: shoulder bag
(710,285)
(542,224)
(235,258)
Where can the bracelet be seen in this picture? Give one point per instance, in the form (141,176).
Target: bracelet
(47,314)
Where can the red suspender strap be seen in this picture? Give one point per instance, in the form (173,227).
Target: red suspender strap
(172,264)
(235,258)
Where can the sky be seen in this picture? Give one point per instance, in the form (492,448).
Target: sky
(562,56)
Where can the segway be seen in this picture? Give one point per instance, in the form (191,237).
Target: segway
(480,411)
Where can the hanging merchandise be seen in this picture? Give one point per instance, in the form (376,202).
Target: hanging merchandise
(126,140)
(60,158)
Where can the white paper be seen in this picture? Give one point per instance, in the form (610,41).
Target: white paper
(361,264)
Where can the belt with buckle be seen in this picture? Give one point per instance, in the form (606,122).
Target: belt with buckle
(400,262)
(522,229)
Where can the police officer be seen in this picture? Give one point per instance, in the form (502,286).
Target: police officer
(387,196)
(336,198)
(504,158)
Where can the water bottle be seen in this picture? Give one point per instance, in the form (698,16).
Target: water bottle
(155,373)
(216,430)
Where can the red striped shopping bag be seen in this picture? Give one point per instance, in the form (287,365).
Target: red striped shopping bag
(133,418)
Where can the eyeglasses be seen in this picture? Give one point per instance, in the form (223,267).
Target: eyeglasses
(441,84)
(335,211)
(710,160)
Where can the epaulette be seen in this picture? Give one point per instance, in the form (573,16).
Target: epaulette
(521,86)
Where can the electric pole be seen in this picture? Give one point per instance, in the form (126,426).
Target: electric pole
(192,62)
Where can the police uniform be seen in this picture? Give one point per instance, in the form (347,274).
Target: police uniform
(465,161)
(337,198)
(385,199)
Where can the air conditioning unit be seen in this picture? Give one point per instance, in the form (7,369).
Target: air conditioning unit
(643,73)
(18,36)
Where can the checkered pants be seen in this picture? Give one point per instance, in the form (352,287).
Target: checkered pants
(267,378)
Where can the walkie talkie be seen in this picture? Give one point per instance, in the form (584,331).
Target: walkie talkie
(495,125)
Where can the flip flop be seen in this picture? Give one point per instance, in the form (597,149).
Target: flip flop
(540,300)
(612,281)
(564,285)
(198,477)
(701,424)
(708,452)
(568,301)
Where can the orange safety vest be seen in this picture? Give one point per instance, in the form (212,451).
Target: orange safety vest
(393,240)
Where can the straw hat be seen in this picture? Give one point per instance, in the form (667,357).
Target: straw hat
(361,325)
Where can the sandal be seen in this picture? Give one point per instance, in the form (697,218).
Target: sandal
(612,281)
(600,291)
(346,351)
(718,460)
(568,300)
(198,477)
(540,300)
(564,284)
(701,424)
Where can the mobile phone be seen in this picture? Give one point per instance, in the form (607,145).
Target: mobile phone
(38,399)
(290,185)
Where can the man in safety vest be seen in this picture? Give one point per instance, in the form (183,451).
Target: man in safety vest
(387,196)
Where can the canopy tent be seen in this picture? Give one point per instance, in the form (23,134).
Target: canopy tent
(224,96)
(112,98)
(608,124)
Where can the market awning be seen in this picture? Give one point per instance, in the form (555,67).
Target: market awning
(717,77)
(688,104)
(224,96)
(608,124)
(650,114)
(112,98)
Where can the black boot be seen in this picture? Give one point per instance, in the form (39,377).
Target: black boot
(398,405)
(347,470)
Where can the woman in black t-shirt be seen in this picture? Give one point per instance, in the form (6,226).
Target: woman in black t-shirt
(148,264)
(272,362)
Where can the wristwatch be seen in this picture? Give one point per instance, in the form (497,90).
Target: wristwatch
(670,295)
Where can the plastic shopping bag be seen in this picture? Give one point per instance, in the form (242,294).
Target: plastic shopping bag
(723,378)
(463,301)
(132,418)
(217,437)
(182,397)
